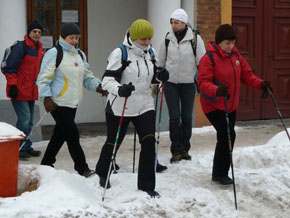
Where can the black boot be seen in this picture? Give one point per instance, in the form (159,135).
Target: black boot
(223,180)
(88,173)
(103,182)
(152,193)
(160,168)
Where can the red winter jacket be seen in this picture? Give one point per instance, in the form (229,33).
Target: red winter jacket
(229,69)
(23,66)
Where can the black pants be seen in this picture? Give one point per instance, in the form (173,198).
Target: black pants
(145,128)
(222,161)
(65,130)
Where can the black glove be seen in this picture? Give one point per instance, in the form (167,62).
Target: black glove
(162,74)
(101,91)
(222,90)
(265,86)
(125,90)
(13,93)
(49,105)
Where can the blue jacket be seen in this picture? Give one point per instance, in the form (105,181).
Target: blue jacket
(65,84)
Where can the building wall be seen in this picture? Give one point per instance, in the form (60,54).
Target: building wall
(208,18)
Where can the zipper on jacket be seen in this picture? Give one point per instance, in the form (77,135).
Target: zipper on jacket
(235,81)
(147,66)
(138,68)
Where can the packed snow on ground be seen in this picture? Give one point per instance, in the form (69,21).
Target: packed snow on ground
(262,176)
(8,131)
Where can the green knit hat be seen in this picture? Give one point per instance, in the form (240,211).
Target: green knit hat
(141,29)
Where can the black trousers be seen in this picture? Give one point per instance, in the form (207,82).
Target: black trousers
(145,128)
(65,130)
(222,161)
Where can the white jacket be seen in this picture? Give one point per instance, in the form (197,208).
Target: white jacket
(139,72)
(181,62)
(65,84)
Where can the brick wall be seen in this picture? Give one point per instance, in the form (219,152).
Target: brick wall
(208,18)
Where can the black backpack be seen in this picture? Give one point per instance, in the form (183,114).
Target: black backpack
(59,55)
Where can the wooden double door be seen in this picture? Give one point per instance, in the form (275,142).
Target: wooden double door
(263,38)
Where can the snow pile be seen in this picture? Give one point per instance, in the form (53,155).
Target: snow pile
(262,176)
(9,132)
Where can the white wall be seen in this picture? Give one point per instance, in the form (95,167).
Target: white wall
(159,15)
(13,27)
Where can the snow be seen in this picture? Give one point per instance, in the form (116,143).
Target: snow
(262,176)
(8,131)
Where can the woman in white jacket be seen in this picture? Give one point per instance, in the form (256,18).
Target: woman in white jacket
(61,87)
(179,59)
(132,79)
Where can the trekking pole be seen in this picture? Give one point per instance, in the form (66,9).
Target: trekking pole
(114,150)
(278,111)
(159,122)
(134,150)
(33,129)
(231,150)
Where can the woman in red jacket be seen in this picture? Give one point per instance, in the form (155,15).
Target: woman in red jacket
(220,73)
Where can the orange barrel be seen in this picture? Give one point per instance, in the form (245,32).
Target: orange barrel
(9,155)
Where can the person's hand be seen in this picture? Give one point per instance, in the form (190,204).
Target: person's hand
(101,91)
(49,105)
(222,90)
(126,90)
(162,74)
(13,92)
(265,85)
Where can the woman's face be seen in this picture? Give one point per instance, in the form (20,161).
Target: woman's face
(177,25)
(227,45)
(143,42)
(73,39)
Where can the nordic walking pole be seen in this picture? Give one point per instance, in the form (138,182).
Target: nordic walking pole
(231,150)
(134,150)
(278,111)
(156,107)
(159,122)
(114,150)
(32,131)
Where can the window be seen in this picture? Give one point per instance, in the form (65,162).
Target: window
(53,13)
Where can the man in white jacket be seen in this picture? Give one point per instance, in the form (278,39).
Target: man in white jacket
(61,87)
(180,57)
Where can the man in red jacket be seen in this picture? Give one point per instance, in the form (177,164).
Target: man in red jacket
(23,66)
(220,73)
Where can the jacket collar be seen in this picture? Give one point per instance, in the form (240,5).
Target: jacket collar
(30,43)
(66,46)
(188,35)
(130,45)
(213,47)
